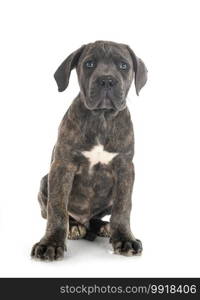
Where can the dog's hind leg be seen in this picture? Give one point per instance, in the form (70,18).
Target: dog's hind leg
(43,192)
(76,230)
(43,196)
(97,227)
(100,228)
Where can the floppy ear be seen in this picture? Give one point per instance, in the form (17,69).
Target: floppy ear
(62,74)
(140,71)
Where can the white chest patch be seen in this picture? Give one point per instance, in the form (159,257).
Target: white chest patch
(98,155)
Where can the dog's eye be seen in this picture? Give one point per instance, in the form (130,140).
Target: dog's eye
(123,66)
(89,64)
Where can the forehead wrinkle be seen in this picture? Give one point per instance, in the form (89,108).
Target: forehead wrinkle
(104,49)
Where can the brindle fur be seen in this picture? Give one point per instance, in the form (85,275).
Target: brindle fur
(72,198)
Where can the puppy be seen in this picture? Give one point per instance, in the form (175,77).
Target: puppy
(91,173)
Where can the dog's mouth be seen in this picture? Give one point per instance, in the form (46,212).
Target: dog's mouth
(105,100)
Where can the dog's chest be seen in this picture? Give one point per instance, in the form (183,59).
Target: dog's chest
(93,184)
(98,154)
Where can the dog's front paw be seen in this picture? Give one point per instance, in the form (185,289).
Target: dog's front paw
(50,251)
(127,247)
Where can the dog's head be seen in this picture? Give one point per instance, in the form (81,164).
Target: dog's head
(105,72)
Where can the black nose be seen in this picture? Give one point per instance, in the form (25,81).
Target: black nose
(107,82)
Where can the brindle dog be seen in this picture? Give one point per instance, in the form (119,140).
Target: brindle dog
(92,173)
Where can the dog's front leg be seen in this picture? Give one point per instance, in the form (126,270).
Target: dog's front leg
(122,239)
(52,245)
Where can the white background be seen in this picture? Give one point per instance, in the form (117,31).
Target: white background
(36,36)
